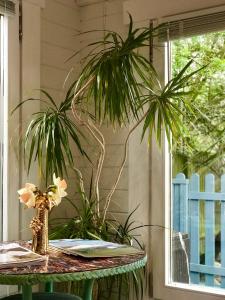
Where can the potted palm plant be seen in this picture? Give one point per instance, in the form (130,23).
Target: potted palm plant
(118,86)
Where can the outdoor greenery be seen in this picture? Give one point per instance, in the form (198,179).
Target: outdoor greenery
(202,149)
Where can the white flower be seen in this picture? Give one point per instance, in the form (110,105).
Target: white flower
(27,195)
(61,185)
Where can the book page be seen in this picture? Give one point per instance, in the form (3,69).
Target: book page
(13,254)
(93,248)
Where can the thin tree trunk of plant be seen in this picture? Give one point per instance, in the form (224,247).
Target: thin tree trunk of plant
(91,127)
(82,90)
(100,165)
(81,181)
(100,161)
(93,130)
(109,196)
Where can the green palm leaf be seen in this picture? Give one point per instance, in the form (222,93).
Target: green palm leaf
(115,88)
(50,135)
(167,105)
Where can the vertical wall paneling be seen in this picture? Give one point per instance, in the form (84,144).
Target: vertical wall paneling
(58,41)
(108,15)
(30,66)
(60,24)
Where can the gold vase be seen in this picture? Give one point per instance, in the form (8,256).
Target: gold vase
(39,226)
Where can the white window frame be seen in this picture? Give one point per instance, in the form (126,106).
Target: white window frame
(2,43)
(4,122)
(10,73)
(160,214)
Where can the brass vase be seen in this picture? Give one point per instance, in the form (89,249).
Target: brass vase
(39,226)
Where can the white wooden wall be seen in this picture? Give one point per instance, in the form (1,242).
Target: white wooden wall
(143,177)
(61,20)
(59,26)
(108,15)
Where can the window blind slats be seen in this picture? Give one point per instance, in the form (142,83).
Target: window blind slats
(7,7)
(192,26)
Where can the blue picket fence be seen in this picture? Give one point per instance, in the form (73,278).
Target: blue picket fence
(186,219)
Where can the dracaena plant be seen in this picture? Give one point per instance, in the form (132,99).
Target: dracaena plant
(118,86)
(50,135)
(124,88)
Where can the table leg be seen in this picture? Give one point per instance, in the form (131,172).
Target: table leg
(88,287)
(49,287)
(27,292)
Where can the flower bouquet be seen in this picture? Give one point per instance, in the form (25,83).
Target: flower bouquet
(32,197)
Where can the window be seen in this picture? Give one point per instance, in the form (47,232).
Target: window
(9,98)
(1,148)
(2,122)
(8,67)
(165,283)
(198,167)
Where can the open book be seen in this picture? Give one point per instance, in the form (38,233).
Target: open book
(14,255)
(93,248)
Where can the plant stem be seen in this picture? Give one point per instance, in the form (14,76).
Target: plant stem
(101,141)
(100,164)
(81,181)
(109,196)
(81,90)
(93,130)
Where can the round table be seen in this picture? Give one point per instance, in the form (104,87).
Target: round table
(62,267)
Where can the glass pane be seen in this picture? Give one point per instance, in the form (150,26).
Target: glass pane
(198,165)
(1,131)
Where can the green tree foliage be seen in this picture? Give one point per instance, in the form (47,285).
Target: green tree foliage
(203,147)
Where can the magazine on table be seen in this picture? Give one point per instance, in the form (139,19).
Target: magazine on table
(93,248)
(14,255)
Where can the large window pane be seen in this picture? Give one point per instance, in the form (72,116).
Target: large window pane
(1,129)
(198,165)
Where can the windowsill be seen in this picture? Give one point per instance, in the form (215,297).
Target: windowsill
(205,290)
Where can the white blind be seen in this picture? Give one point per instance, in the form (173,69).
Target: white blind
(188,27)
(7,7)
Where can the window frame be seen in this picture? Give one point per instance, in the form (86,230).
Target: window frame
(4,116)
(1,127)
(10,73)
(161,175)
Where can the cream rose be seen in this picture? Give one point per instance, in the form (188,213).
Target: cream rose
(60,185)
(27,195)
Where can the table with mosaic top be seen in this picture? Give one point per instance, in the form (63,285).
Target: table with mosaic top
(61,267)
